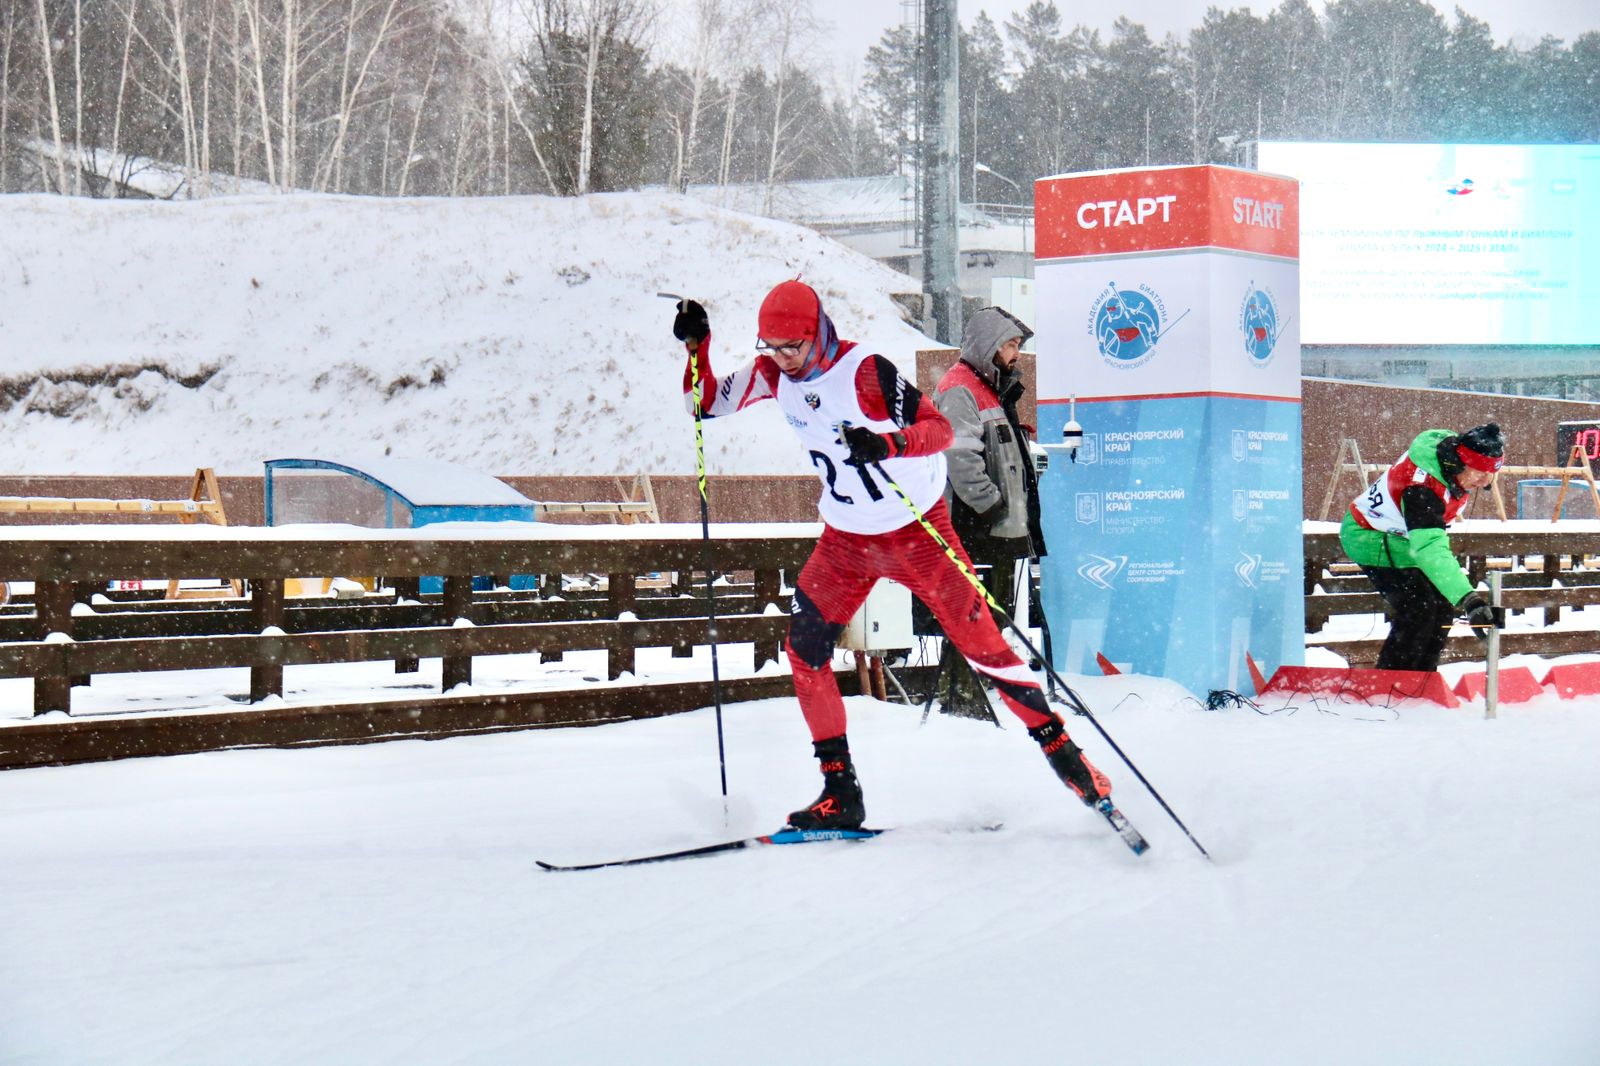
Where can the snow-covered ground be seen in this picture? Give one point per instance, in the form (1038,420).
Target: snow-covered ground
(520,335)
(1403,885)
(1392,884)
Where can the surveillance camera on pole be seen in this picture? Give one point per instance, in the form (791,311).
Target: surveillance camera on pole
(1072,432)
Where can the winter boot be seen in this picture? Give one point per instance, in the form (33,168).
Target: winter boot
(1067,760)
(840,806)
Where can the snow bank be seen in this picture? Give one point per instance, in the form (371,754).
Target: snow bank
(517,335)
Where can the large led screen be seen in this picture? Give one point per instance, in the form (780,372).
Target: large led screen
(1446,243)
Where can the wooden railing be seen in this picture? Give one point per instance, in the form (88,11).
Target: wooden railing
(58,646)
(55,645)
(47,637)
(1545,567)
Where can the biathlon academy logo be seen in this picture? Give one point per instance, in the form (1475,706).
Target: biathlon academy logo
(1127,324)
(1258,321)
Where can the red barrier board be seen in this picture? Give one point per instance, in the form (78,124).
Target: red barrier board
(1517,685)
(1370,686)
(1575,679)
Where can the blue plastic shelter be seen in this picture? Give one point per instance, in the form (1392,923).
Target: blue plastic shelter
(384,492)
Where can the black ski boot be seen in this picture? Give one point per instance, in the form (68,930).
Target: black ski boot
(840,806)
(1066,759)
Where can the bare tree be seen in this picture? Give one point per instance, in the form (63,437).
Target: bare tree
(609,22)
(730,108)
(853,140)
(794,25)
(168,81)
(47,64)
(717,38)
(77,95)
(237,94)
(495,22)
(257,59)
(580,44)
(204,133)
(710,19)
(129,14)
(741,39)
(331,167)
(416,117)
(289,65)
(174,11)
(8,39)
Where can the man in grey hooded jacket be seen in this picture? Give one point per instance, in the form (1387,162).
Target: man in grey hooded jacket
(993,491)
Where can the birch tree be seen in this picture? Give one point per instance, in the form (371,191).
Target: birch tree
(718,32)
(793,27)
(351,84)
(588,63)
(123,68)
(256,58)
(9,31)
(506,71)
(47,65)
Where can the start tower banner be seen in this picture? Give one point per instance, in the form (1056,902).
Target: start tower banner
(1169,307)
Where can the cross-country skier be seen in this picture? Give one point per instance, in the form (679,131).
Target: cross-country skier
(1396,532)
(853,411)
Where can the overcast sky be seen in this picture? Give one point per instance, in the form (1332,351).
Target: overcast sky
(858,24)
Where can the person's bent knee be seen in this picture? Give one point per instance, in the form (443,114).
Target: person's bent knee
(811,637)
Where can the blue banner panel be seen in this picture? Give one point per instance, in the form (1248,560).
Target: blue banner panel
(1175,538)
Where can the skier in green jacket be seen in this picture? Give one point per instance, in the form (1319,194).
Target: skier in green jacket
(1396,532)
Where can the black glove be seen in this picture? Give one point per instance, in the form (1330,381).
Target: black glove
(691,324)
(865,445)
(1480,615)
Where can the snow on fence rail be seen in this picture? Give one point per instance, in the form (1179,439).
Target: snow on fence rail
(60,643)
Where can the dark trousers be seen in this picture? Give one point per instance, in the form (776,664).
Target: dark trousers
(1418,618)
(999,576)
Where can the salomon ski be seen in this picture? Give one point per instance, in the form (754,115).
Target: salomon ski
(1130,836)
(785,835)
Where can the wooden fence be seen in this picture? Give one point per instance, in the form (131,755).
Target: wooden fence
(58,644)
(1545,566)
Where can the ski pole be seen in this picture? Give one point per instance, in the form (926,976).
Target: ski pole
(1491,679)
(1074,700)
(705,542)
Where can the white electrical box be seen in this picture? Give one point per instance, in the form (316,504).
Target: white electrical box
(884,621)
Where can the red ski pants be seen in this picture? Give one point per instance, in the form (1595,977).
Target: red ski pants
(835,581)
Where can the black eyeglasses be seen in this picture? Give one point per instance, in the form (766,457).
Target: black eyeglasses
(792,348)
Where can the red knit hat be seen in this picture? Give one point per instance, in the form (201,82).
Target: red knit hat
(790,312)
